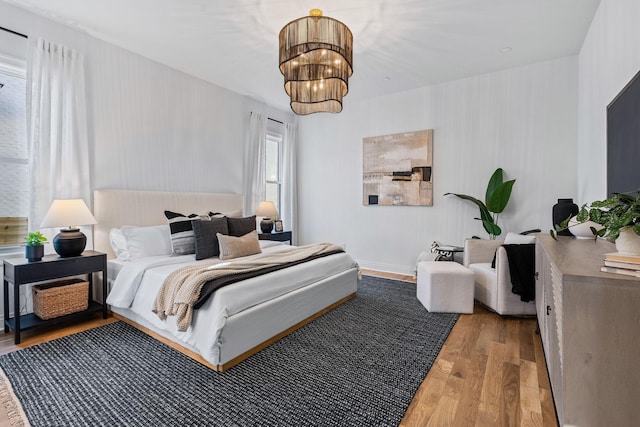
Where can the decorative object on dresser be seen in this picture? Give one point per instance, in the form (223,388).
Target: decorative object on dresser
(619,263)
(34,249)
(267,210)
(582,230)
(71,213)
(565,208)
(618,218)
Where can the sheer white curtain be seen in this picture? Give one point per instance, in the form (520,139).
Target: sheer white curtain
(289,201)
(57,128)
(254,163)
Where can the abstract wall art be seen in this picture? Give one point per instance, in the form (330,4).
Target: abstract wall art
(396,169)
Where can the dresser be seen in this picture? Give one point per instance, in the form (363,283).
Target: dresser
(590,329)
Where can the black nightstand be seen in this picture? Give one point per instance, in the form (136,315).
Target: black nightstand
(19,271)
(278,236)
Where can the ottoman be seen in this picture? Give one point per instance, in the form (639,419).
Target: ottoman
(445,287)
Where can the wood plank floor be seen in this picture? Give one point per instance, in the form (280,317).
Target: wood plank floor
(490,372)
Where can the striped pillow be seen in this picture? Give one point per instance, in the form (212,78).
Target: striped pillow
(183,240)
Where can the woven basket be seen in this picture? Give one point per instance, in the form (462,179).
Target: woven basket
(60,298)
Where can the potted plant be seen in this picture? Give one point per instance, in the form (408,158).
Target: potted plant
(496,199)
(35,246)
(619,217)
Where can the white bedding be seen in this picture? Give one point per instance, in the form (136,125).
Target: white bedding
(138,282)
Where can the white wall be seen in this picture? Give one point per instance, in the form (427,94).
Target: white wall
(523,120)
(150,127)
(609,58)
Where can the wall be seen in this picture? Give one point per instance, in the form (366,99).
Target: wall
(609,58)
(150,127)
(523,120)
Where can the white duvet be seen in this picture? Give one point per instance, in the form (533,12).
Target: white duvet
(139,281)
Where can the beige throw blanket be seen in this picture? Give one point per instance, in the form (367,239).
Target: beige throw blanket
(181,288)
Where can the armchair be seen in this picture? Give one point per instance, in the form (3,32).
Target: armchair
(493,286)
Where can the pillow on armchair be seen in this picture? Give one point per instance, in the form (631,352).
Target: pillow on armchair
(519,239)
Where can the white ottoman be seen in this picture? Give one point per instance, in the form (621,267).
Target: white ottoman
(445,287)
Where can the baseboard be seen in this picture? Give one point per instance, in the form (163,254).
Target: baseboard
(387,268)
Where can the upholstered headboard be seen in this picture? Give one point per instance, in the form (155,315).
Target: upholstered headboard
(115,208)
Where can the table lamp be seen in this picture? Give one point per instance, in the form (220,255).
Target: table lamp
(268,211)
(68,213)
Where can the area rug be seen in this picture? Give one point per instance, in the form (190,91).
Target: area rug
(358,365)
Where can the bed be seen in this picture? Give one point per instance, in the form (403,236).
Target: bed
(238,320)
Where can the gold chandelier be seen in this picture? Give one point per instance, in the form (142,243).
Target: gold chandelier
(316,56)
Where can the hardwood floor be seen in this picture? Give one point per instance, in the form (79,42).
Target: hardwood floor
(491,372)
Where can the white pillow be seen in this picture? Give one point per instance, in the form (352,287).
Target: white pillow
(147,241)
(119,244)
(519,239)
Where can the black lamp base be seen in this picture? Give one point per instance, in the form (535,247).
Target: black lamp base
(69,242)
(266,226)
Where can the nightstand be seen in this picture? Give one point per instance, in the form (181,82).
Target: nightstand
(278,236)
(19,271)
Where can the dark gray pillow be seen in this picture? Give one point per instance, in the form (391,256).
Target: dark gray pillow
(205,235)
(240,226)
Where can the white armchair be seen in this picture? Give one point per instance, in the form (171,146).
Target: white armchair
(493,285)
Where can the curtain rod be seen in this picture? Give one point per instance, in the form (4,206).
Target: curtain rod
(274,120)
(14,32)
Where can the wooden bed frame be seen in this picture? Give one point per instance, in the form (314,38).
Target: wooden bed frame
(115,208)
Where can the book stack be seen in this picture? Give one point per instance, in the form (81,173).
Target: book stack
(621,263)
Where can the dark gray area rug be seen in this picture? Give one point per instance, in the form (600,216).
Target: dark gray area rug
(358,365)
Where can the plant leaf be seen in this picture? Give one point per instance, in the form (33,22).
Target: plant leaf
(484,212)
(500,197)
(491,228)
(495,180)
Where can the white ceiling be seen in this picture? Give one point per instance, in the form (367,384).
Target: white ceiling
(398,44)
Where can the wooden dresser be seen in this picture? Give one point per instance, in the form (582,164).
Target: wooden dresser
(590,330)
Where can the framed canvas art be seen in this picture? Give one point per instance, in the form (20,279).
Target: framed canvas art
(396,169)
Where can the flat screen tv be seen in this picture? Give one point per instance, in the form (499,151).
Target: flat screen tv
(623,139)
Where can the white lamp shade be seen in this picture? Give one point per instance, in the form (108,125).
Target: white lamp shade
(267,210)
(68,213)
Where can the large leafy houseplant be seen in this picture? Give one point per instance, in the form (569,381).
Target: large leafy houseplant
(496,200)
(616,214)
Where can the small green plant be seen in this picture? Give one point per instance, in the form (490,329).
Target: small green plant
(615,214)
(496,199)
(35,239)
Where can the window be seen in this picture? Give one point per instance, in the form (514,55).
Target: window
(273,168)
(14,165)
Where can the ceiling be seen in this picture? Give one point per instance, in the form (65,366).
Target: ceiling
(398,44)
